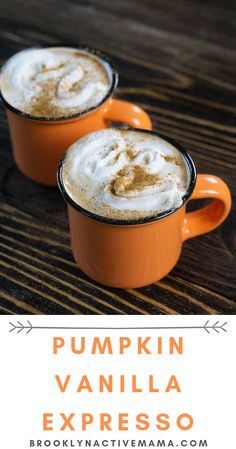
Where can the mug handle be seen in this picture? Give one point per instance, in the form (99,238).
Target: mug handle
(209,217)
(123,111)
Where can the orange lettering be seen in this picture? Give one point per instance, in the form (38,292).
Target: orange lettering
(176,345)
(102,347)
(152,389)
(87,418)
(58,342)
(105,420)
(125,342)
(47,420)
(122,383)
(162,419)
(187,426)
(123,419)
(107,383)
(142,419)
(173,385)
(67,421)
(63,386)
(142,345)
(84,385)
(73,346)
(135,389)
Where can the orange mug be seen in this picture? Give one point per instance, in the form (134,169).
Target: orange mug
(38,142)
(135,253)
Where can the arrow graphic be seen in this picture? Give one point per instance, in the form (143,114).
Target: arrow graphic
(19,327)
(216,327)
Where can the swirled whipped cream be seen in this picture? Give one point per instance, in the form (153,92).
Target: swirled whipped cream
(56,81)
(125,174)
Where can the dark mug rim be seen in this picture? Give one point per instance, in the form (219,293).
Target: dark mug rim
(100,54)
(140,221)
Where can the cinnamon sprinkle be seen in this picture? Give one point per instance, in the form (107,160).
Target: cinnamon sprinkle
(175,159)
(41,105)
(131,154)
(135,179)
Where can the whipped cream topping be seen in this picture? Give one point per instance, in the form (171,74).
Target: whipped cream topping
(55,81)
(125,174)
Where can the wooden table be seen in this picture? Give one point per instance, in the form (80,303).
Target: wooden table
(178,61)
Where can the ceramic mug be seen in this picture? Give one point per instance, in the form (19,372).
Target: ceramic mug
(135,253)
(38,142)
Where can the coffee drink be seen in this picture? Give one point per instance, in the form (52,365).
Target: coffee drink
(55,81)
(125,174)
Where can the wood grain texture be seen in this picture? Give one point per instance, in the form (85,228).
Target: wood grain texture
(178,61)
